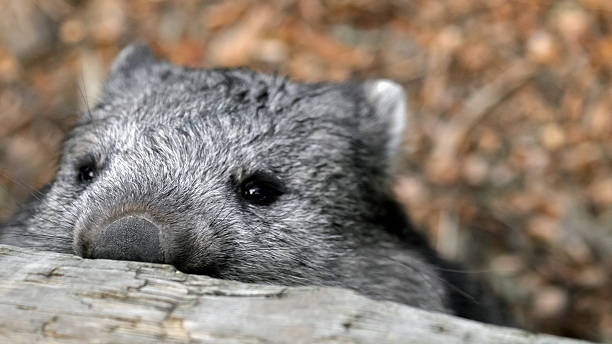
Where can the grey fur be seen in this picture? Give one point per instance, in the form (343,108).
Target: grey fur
(171,144)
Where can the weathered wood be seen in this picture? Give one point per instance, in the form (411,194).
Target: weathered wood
(59,298)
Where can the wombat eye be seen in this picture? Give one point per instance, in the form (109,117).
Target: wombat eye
(87,171)
(261,189)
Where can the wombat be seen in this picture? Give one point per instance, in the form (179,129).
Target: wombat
(246,176)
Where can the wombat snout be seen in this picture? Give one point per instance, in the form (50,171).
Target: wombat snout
(129,238)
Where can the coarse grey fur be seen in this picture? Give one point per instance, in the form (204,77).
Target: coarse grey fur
(171,146)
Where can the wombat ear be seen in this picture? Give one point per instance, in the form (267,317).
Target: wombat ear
(128,69)
(133,57)
(388,103)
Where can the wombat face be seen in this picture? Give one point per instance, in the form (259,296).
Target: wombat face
(245,176)
(225,172)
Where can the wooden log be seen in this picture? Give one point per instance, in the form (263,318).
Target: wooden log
(47,297)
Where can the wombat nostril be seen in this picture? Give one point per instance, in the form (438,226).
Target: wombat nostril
(129,238)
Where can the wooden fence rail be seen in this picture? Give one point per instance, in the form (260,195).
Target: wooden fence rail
(48,297)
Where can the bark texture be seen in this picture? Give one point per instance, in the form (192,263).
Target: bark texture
(57,298)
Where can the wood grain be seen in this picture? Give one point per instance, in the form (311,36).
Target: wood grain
(57,298)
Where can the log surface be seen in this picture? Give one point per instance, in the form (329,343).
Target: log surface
(48,297)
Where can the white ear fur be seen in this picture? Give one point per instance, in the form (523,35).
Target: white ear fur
(389,103)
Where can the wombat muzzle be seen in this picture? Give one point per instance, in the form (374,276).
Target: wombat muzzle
(129,238)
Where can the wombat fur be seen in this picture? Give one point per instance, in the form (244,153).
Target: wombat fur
(245,176)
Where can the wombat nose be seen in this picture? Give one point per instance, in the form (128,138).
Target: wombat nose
(129,238)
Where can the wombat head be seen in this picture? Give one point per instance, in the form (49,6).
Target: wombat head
(226,172)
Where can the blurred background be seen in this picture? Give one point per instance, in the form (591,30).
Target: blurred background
(508,157)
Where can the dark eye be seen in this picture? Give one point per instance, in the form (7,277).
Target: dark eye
(261,189)
(87,171)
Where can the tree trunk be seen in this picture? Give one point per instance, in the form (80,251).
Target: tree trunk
(59,298)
